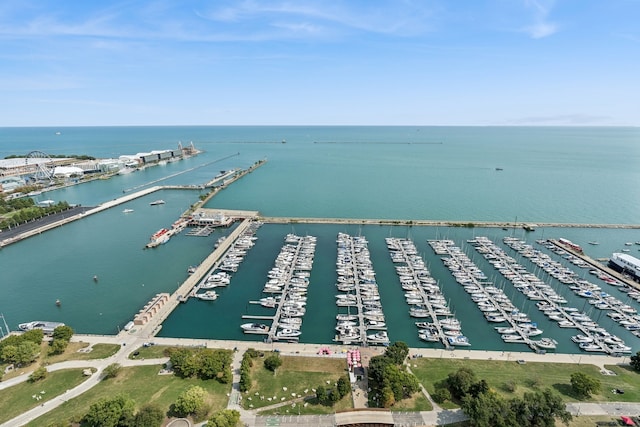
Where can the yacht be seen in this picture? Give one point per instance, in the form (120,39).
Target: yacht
(255,327)
(460,340)
(157,202)
(545,343)
(288,333)
(580,339)
(379,337)
(46,326)
(208,296)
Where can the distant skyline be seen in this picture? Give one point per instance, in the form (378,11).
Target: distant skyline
(351,62)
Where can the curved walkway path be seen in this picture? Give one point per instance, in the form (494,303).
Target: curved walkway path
(130,341)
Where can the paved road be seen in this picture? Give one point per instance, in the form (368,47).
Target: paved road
(38,223)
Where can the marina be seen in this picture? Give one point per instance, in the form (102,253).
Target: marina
(171,261)
(548,301)
(497,308)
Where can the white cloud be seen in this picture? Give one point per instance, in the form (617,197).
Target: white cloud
(541,26)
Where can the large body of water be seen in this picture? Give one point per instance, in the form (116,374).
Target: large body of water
(576,175)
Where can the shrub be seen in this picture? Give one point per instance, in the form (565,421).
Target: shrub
(111,371)
(38,374)
(272,362)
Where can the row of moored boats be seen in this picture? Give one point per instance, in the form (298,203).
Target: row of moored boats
(423,295)
(360,319)
(286,290)
(220,275)
(548,301)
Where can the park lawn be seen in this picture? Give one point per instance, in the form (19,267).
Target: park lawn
(415,403)
(99,351)
(151,352)
(296,374)
(529,377)
(144,385)
(19,398)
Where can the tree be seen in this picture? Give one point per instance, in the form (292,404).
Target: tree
(9,353)
(111,371)
(58,346)
(272,362)
(224,418)
(63,332)
(190,401)
(488,410)
(460,382)
(149,415)
(38,374)
(183,362)
(23,353)
(539,409)
(343,386)
(211,364)
(584,385)
(400,381)
(441,395)
(387,399)
(397,352)
(110,412)
(334,396)
(321,394)
(34,335)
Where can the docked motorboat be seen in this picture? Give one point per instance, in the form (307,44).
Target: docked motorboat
(208,296)
(545,343)
(255,328)
(288,333)
(460,340)
(580,339)
(46,326)
(378,338)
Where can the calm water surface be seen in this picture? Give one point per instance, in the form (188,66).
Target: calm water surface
(581,175)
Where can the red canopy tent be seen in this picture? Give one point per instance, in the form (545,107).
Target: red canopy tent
(627,421)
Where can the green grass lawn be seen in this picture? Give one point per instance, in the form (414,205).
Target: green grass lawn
(99,351)
(151,352)
(141,383)
(530,377)
(19,398)
(296,374)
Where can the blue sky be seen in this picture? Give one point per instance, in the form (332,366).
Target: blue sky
(357,62)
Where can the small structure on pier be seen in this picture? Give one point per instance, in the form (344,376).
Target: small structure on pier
(210,218)
(151,309)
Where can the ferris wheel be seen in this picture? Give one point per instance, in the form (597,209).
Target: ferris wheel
(42,164)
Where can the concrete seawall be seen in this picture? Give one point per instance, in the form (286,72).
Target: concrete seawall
(434,223)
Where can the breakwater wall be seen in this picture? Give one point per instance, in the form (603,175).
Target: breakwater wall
(434,223)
